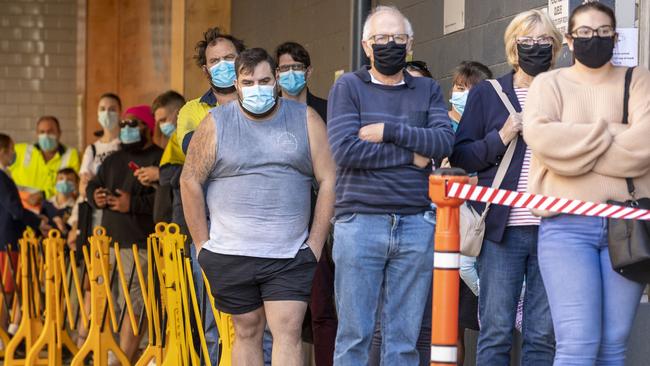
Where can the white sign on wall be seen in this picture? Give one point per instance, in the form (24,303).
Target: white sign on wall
(558,10)
(626,52)
(454,16)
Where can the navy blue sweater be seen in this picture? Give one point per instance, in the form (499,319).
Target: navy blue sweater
(13,217)
(479,148)
(380,177)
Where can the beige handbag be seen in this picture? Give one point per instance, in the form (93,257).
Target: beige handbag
(472,225)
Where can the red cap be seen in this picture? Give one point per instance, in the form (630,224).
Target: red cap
(144,114)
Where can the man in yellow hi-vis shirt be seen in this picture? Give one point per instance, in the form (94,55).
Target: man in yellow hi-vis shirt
(37,164)
(216,54)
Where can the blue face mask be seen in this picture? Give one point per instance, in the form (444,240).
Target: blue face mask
(223,74)
(130,135)
(292,81)
(47,142)
(13,160)
(458,100)
(64,186)
(167,128)
(258,99)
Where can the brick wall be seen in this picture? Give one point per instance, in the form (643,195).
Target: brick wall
(38,59)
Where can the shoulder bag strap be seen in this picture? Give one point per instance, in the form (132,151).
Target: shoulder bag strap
(507,157)
(626,98)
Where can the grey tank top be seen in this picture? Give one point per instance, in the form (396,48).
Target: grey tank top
(258,193)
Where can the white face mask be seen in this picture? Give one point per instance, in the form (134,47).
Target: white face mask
(108,119)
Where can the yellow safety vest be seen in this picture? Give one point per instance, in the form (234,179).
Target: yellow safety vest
(32,171)
(173,154)
(191,115)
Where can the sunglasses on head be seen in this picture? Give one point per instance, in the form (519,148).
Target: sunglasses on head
(418,65)
(129,122)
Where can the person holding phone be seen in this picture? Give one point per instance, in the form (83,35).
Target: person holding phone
(127,203)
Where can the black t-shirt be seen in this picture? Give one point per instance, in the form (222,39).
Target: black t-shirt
(114,173)
(319,105)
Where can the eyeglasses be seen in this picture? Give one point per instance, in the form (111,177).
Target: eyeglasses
(418,65)
(129,122)
(294,67)
(605,31)
(529,42)
(385,38)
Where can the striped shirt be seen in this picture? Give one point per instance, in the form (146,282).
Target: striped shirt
(521,216)
(380,178)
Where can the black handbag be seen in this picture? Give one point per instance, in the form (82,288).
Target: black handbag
(629,240)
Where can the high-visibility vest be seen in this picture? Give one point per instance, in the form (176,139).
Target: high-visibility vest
(173,154)
(32,171)
(191,115)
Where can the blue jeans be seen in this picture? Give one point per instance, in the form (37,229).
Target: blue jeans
(593,307)
(371,252)
(424,339)
(503,267)
(209,325)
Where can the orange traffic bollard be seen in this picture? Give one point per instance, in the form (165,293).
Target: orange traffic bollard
(446,262)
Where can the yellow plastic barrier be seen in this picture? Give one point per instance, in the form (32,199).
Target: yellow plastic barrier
(53,335)
(100,338)
(152,308)
(175,329)
(8,274)
(30,325)
(225,327)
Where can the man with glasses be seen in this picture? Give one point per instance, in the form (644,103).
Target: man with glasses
(293,72)
(128,204)
(384,127)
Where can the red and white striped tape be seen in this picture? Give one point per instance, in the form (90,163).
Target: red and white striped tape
(540,202)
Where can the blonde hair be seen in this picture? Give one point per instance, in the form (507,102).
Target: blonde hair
(523,24)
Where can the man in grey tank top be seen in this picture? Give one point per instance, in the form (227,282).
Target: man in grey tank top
(256,160)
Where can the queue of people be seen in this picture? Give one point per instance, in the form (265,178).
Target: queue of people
(311,219)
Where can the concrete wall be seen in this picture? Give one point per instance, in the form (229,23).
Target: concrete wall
(38,60)
(481,40)
(322,26)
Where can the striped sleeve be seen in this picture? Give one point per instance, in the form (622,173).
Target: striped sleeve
(521,216)
(435,140)
(348,150)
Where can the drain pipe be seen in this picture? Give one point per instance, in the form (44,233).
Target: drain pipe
(360,10)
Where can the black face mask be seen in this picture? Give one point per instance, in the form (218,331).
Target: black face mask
(535,60)
(390,58)
(593,52)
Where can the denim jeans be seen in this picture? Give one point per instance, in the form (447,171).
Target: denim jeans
(374,252)
(593,307)
(209,325)
(502,268)
(423,344)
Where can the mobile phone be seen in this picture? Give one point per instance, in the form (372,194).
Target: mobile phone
(133,166)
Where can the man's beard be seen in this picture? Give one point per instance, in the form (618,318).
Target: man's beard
(135,146)
(218,90)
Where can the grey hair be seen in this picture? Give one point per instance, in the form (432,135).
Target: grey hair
(385,9)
